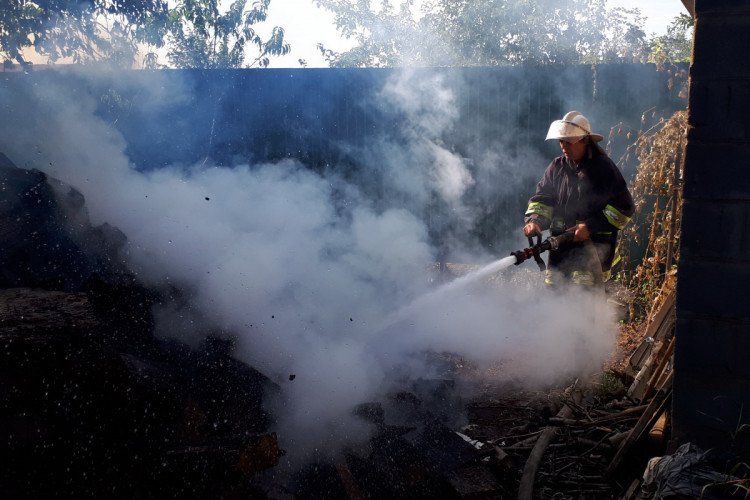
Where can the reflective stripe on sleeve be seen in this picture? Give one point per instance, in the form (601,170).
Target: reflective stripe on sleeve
(536,208)
(615,217)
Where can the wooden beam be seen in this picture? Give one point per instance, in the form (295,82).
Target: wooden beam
(690,6)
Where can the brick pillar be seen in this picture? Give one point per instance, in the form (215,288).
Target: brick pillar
(712,356)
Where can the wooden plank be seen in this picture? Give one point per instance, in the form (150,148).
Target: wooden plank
(661,315)
(526,487)
(651,413)
(660,329)
(636,389)
(655,330)
(632,491)
(653,381)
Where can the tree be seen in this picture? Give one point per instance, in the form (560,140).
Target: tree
(201,36)
(622,37)
(677,45)
(490,33)
(83,30)
(116,30)
(385,35)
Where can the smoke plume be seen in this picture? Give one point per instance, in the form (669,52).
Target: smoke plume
(315,276)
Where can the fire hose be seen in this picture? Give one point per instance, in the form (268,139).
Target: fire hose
(535,249)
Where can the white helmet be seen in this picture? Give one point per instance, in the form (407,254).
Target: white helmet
(572,126)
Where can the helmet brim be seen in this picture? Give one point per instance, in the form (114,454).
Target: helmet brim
(564,130)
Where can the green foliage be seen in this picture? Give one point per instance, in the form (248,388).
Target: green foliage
(539,31)
(201,36)
(83,30)
(609,387)
(677,45)
(383,34)
(490,33)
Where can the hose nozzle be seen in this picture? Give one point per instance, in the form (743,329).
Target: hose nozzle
(551,243)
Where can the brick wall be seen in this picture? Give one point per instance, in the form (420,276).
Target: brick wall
(712,356)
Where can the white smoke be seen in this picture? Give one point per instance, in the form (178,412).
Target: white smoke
(427,103)
(429,111)
(313,285)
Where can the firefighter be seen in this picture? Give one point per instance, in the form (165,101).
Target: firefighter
(582,191)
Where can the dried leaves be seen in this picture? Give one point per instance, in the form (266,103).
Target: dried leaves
(655,229)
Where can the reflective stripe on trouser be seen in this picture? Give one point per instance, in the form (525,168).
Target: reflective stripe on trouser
(582,278)
(555,277)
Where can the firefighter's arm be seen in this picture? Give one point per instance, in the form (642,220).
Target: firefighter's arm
(538,215)
(615,214)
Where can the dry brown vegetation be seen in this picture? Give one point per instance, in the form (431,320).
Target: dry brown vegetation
(649,245)
(655,228)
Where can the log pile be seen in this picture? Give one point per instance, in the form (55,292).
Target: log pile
(578,445)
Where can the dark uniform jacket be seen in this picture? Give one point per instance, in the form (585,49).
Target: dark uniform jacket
(593,192)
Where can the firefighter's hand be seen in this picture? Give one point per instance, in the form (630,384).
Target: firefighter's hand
(531,229)
(582,233)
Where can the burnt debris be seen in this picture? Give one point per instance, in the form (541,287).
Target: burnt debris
(92,404)
(46,240)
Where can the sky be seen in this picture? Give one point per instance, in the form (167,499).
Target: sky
(306,25)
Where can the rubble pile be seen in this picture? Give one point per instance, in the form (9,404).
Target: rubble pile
(46,240)
(92,404)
